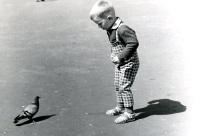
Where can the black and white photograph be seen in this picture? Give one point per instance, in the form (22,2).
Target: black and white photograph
(99,67)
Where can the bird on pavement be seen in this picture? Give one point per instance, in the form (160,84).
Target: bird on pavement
(29,111)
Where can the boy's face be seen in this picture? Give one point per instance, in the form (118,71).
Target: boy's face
(103,23)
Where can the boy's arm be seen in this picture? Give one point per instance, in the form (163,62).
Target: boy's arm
(129,38)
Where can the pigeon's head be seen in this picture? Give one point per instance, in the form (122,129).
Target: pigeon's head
(36,100)
(37,97)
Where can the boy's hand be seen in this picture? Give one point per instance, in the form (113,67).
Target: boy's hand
(116,60)
(121,91)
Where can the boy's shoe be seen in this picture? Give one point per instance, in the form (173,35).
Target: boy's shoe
(115,111)
(125,118)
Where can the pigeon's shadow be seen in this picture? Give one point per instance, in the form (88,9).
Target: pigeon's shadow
(37,119)
(160,107)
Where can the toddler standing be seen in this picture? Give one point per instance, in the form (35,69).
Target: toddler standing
(124,55)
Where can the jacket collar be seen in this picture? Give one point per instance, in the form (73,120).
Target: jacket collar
(117,23)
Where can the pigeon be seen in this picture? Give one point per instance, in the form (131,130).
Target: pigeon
(29,111)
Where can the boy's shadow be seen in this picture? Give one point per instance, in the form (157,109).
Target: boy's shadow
(160,107)
(37,119)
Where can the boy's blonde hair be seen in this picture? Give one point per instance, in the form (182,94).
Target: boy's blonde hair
(102,9)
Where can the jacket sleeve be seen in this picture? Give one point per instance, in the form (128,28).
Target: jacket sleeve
(128,37)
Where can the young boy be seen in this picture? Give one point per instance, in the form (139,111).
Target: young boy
(124,46)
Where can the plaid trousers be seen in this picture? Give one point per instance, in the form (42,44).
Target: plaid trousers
(124,76)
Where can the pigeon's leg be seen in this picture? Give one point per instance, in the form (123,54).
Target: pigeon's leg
(30,118)
(33,122)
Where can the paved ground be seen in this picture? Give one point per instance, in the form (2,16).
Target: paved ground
(53,50)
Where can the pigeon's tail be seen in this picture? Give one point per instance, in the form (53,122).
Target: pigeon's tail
(19,117)
(15,121)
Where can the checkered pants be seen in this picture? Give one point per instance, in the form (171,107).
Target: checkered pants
(124,74)
(124,78)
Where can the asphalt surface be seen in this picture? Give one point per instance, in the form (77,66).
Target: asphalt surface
(52,49)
